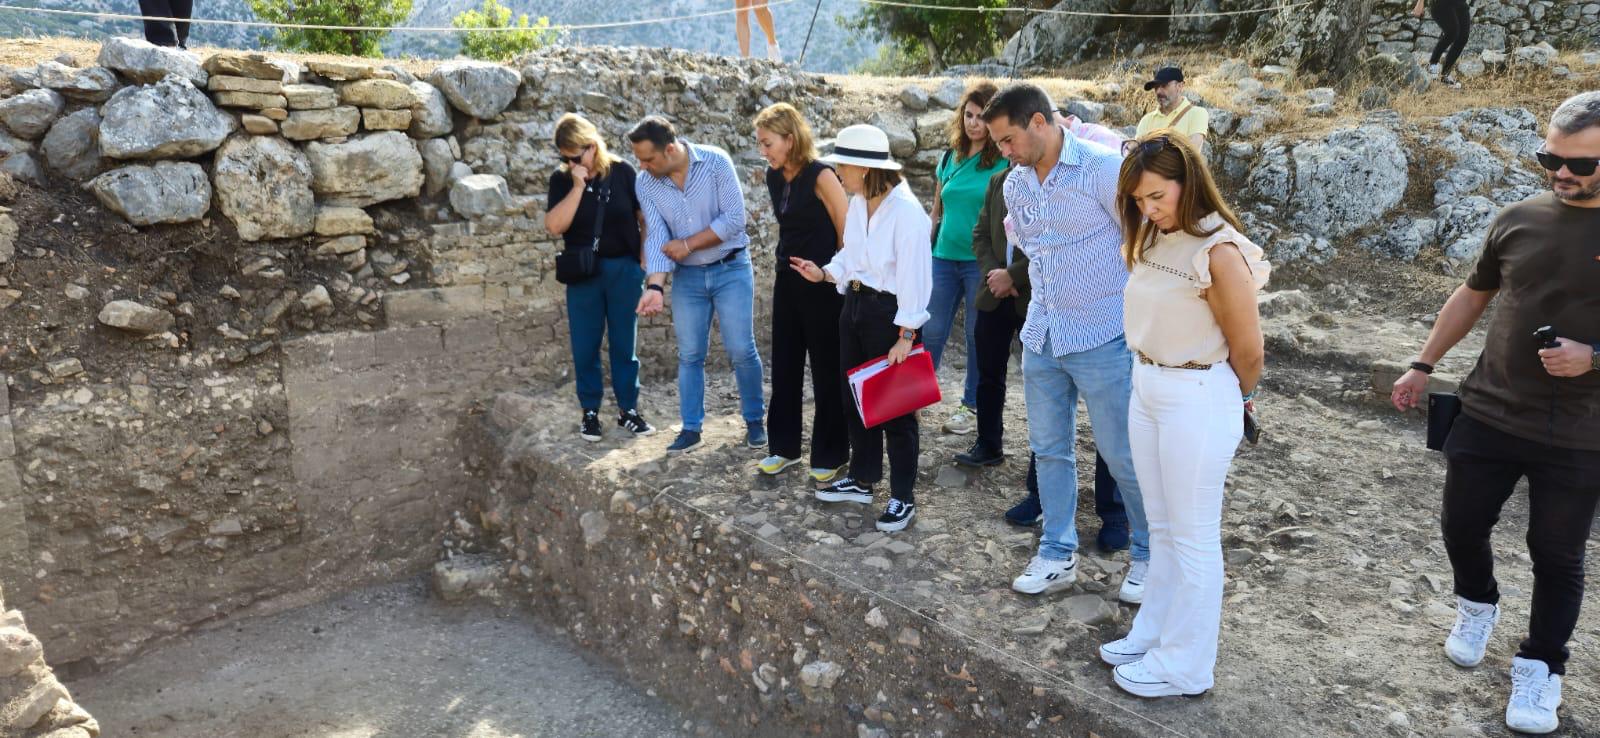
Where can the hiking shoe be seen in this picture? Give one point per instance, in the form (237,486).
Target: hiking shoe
(819,474)
(980,455)
(1535,695)
(1045,575)
(1135,678)
(755,435)
(962,421)
(685,442)
(1026,513)
(775,464)
(590,428)
(1120,651)
(896,516)
(1470,636)
(632,422)
(1112,537)
(1133,584)
(846,490)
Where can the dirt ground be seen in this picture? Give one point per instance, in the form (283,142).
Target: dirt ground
(388,662)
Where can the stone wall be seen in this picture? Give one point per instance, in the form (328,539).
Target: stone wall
(32,703)
(1497,25)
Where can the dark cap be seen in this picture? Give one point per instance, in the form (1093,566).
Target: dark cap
(1163,76)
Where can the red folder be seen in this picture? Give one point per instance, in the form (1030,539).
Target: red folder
(885,391)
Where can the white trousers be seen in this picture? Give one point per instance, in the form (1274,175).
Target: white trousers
(1183,426)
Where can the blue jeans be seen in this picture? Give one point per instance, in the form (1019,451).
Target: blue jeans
(1104,375)
(1107,500)
(953,283)
(601,305)
(725,290)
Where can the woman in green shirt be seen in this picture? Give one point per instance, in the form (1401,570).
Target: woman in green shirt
(963,177)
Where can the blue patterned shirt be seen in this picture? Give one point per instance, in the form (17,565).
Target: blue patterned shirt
(711,198)
(1069,228)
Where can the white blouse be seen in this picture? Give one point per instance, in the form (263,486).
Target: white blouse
(1165,311)
(889,252)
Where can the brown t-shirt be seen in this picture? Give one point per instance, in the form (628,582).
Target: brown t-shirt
(1544,257)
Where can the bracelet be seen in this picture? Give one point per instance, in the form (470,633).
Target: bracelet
(1251,395)
(657,288)
(1422,366)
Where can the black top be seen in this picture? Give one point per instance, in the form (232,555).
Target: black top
(619,236)
(804,227)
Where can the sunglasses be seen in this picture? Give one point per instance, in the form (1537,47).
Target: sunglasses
(575,159)
(1144,148)
(1578,167)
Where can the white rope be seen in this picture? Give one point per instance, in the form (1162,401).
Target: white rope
(1084,13)
(874,592)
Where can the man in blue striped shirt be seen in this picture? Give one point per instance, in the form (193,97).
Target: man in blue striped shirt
(694,219)
(1061,200)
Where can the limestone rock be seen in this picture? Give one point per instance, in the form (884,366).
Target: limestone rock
(594,527)
(1340,184)
(902,139)
(34,702)
(258,125)
(821,674)
(18,649)
(92,84)
(263,185)
(249,100)
(1089,609)
(316,300)
(436,161)
(229,83)
(377,93)
(430,116)
(481,194)
(305,125)
(367,169)
(342,221)
(238,64)
(30,114)
(949,94)
(1402,239)
(378,119)
(1052,39)
(339,71)
(22,166)
(167,120)
(341,245)
(72,147)
(479,89)
(166,192)
(310,97)
(134,317)
(10,144)
(8,237)
(1541,55)
(914,98)
(1463,225)
(146,63)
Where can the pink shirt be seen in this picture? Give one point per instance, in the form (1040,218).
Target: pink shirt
(1096,133)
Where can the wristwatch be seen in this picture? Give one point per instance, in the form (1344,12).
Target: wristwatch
(1594,359)
(908,334)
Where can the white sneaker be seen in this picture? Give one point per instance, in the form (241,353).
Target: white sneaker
(1133,584)
(1470,636)
(1433,70)
(1119,652)
(774,53)
(1535,695)
(1045,575)
(1134,678)
(960,422)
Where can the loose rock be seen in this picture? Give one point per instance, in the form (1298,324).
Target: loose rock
(135,317)
(167,192)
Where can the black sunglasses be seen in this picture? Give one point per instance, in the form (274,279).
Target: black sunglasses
(1144,148)
(1578,167)
(575,159)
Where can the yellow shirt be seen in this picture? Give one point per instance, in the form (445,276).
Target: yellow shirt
(1196,121)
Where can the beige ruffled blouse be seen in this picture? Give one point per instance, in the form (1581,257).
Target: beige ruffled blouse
(1164,308)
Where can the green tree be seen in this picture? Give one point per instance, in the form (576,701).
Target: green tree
(365,13)
(942,37)
(500,45)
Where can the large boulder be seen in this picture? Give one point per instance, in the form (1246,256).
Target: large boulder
(430,117)
(72,147)
(264,186)
(1053,38)
(479,89)
(146,63)
(478,195)
(1463,225)
(167,120)
(1338,185)
(30,114)
(92,84)
(166,192)
(366,169)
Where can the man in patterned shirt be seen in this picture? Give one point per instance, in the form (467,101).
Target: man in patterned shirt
(695,228)
(1061,197)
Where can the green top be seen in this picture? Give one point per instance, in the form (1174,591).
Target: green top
(962,184)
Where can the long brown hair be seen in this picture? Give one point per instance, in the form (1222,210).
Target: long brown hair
(573,132)
(979,94)
(1168,154)
(783,119)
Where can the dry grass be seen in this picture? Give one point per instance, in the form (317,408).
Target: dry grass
(22,52)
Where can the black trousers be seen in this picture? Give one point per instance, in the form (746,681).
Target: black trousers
(163,33)
(805,322)
(866,332)
(1455,25)
(995,330)
(1563,487)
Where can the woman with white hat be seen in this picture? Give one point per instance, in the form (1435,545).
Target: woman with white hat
(885,272)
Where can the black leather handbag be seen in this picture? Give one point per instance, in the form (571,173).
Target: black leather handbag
(574,265)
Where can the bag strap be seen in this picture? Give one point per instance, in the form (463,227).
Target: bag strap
(602,199)
(1187,106)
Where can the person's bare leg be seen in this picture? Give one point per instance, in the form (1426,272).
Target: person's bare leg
(741,25)
(764,17)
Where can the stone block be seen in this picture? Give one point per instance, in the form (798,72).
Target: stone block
(310,97)
(376,119)
(305,125)
(258,125)
(223,83)
(440,303)
(378,93)
(339,71)
(323,351)
(405,344)
(1385,373)
(235,64)
(249,100)
(343,221)
(472,336)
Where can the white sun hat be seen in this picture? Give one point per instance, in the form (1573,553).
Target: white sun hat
(863,146)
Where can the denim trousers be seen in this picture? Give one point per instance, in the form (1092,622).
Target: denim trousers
(600,307)
(954,282)
(726,291)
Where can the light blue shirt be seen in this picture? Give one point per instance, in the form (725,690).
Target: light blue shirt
(710,198)
(1070,230)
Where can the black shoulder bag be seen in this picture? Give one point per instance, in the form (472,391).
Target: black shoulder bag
(574,265)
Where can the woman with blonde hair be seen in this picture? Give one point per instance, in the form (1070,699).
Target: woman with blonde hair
(1190,313)
(809,204)
(593,208)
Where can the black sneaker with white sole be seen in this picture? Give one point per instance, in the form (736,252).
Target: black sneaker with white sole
(685,442)
(632,422)
(846,490)
(896,516)
(590,429)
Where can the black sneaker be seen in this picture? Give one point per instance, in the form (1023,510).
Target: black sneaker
(1026,513)
(632,422)
(755,435)
(590,430)
(896,516)
(846,490)
(980,455)
(686,441)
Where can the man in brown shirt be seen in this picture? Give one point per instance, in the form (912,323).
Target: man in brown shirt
(1528,410)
